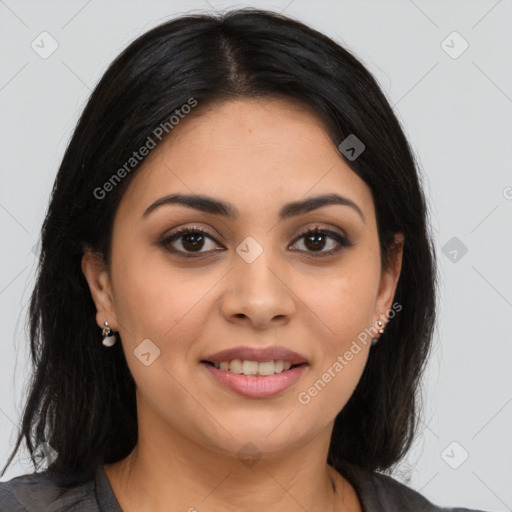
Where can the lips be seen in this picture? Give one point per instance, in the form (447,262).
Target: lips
(256,354)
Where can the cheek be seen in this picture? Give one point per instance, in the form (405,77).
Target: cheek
(156,302)
(345,305)
(342,299)
(153,299)
(329,388)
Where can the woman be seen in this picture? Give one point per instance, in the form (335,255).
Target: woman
(236,292)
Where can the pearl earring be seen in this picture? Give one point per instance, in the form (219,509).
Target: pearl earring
(381,330)
(108,338)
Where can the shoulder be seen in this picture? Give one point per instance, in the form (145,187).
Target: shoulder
(382,493)
(49,491)
(398,495)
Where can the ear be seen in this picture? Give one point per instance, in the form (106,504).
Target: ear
(96,274)
(389,279)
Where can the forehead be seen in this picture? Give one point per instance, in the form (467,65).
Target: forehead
(269,150)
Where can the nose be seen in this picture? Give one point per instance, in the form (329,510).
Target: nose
(258,293)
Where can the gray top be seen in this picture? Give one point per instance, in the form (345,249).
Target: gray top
(87,492)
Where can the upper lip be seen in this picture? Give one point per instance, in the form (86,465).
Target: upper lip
(260,354)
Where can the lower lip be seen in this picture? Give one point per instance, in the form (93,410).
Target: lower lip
(255,386)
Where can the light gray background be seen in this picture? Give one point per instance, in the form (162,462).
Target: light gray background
(457,113)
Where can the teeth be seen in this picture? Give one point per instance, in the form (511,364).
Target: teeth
(235,366)
(250,367)
(264,368)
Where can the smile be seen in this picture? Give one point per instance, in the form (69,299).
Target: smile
(255,379)
(246,367)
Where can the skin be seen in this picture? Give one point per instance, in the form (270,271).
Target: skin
(257,154)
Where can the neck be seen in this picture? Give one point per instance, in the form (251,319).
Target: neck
(195,479)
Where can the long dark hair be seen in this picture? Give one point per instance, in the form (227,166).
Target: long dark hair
(82,398)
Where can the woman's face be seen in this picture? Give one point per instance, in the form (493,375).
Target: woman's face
(250,280)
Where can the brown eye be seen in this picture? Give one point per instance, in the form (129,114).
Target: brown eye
(193,241)
(189,241)
(315,240)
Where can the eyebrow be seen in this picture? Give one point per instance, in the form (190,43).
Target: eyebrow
(217,207)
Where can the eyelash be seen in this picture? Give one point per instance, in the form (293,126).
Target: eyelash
(176,235)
